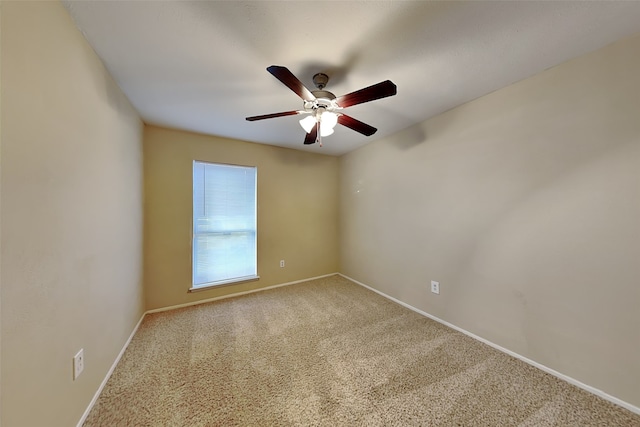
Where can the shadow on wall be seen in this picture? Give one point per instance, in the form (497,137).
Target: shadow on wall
(291,156)
(410,137)
(103,84)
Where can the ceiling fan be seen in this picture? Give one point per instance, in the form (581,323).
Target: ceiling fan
(324,109)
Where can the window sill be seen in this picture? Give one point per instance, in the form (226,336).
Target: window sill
(211,285)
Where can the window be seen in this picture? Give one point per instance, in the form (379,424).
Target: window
(224,224)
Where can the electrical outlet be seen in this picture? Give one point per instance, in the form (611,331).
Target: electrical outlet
(435,287)
(78,364)
(281,263)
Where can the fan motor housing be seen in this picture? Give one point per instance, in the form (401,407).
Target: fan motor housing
(323,94)
(324,100)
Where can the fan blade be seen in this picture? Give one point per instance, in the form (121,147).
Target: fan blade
(356,125)
(377,91)
(273,115)
(289,80)
(311,136)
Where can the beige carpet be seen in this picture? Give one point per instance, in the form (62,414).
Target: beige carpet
(329,353)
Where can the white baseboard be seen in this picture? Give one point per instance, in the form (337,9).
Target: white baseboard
(106,378)
(546,369)
(173,307)
(237,294)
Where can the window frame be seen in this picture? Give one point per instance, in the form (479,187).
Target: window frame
(230,281)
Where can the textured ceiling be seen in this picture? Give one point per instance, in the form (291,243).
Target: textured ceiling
(200,66)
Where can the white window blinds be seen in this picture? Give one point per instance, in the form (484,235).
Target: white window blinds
(224,223)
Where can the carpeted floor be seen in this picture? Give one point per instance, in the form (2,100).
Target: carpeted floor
(329,353)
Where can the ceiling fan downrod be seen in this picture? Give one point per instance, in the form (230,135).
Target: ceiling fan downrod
(320,80)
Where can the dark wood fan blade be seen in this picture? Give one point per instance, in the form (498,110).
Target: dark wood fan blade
(356,125)
(312,136)
(273,115)
(377,91)
(289,80)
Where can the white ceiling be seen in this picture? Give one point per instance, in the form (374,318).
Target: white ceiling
(200,65)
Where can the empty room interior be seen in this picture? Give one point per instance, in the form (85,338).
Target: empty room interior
(460,246)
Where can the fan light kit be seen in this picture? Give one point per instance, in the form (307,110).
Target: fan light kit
(327,120)
(323,108)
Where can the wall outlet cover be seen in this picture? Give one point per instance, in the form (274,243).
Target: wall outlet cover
(78,363)
(435,287)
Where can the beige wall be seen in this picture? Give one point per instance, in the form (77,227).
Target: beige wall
(0,210)
(525,205)
(71,217)
(297,212)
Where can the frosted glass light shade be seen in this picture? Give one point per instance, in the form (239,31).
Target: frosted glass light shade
(325,131)
(328,120)
(308,123)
